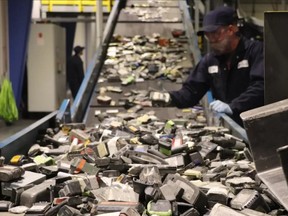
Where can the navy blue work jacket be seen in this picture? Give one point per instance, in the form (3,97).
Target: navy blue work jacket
(75,73)
(241,85)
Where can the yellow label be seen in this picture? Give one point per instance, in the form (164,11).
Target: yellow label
(65,130)
(132,128)
(86,142)
(15,159)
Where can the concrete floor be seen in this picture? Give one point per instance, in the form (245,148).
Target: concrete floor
(9,130)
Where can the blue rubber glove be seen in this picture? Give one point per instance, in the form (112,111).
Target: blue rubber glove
(221,107)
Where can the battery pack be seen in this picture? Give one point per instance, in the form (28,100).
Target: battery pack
(161,207)
(27,178)
(108,207)
(250,199)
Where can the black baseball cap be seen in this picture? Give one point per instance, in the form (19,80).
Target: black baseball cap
(78,49)
(221,16)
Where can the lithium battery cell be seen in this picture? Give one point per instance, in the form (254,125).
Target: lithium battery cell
(249,199)
(97,112)
(112,111)
(27,178)
(161,207)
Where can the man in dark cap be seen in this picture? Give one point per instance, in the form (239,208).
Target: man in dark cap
(233,70)
(75,71)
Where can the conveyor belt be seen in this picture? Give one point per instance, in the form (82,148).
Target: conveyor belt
(129,25)
(159,3)
(85,104)
(167,14)
(147,85)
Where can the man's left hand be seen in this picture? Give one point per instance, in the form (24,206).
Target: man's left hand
(221,107)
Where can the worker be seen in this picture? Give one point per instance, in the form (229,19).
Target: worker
(233,70)
(75,71)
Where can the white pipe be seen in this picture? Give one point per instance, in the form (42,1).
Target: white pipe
(283,5)
(196,15)
(99,22)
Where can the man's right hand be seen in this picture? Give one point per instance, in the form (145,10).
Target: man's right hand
(160,98)
(221,107)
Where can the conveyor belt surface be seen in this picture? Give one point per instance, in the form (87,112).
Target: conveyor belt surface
(160,3)
(162,114)
(147,85)
(129,25)
(161,15)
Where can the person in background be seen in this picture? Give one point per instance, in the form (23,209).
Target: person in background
(233,70)
(75,70)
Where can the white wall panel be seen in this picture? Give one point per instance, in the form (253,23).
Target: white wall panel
(46,68)
(3,39)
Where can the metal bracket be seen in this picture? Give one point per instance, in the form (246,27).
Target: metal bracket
(64,113)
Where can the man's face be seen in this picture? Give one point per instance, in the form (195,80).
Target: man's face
(219,40)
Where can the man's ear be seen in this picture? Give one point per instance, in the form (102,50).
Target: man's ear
(233,28)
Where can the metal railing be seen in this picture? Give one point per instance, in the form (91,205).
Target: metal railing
(80,4)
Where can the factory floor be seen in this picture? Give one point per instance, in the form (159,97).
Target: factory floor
(9,130)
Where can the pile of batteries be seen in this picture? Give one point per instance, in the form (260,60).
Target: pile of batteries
(136,165)
(145,13)
(142,57)
(136,65)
